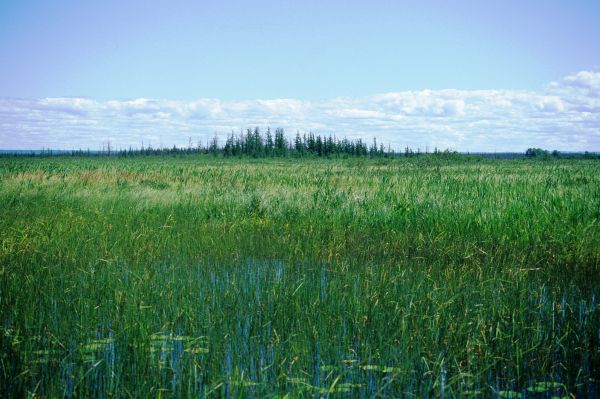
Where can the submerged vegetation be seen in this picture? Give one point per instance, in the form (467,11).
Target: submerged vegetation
(363,277)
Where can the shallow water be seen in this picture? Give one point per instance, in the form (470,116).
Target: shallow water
(261,327)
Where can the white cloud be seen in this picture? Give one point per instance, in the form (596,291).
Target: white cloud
(565,116)
(581,91)
(550,104)
(355,113)
(586,80)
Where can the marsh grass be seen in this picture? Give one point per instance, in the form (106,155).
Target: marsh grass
(196,276)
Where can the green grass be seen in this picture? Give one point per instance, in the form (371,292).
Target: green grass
(196,276)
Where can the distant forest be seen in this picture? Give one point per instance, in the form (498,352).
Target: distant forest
(256,144)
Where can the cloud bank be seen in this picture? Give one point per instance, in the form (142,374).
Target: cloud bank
(565,116)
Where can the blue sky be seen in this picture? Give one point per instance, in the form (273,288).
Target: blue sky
(325,66)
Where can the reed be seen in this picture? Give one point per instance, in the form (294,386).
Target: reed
(223,277)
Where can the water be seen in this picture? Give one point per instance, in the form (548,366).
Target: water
(257,327)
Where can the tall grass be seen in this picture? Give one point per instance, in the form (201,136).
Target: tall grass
(196,276)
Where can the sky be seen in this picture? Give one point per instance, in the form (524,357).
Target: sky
(463,75)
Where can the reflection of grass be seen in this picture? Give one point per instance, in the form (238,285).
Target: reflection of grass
(510,394)
(326,277)
(97,344)
(302,385)
(44,356)
(475,393)
(163,343)
(556,388)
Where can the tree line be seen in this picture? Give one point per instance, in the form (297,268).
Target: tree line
(275,144)
(256,143)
